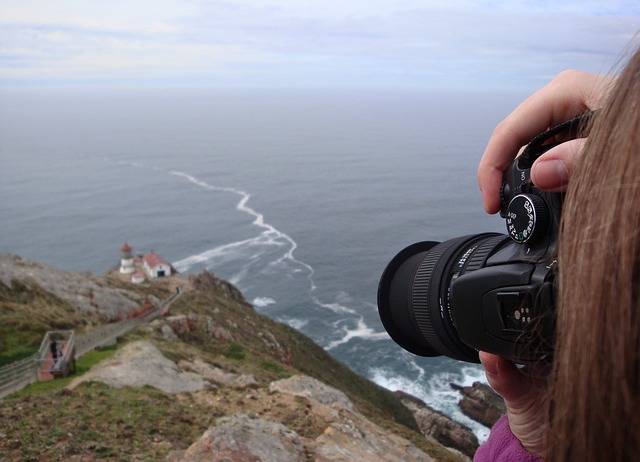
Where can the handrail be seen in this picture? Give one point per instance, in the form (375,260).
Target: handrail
(19,374)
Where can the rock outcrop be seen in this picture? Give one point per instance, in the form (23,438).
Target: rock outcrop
(241,438)
(434,424)
(480,403)
(141,364)
(207,281)
(89,294)
(217,375)
(341,433)
(174,326)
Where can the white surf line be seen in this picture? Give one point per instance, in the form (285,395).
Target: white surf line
(242,207)
(187,262)
(258,221)
(360,331)
(335,307)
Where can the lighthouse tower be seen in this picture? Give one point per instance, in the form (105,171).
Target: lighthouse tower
(126,260)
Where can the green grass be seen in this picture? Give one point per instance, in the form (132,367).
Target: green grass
(27,312)
(44,422)
(235,351)
(83,364)
(99,422)
(18,350)
(273,367)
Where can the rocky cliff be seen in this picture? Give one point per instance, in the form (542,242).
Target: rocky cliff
(213,380)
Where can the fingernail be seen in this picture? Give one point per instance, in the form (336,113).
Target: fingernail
(549,173)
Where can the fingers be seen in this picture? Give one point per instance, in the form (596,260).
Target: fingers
(552,169)
(569,94)
(525,399)
(505,378)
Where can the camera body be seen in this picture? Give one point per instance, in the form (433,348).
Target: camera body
(483,292)
(506,306)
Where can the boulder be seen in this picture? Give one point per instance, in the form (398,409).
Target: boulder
(168,333)
(308,387)
(443,429)
(217,375)
(241,438)
(480,403)
(348,435)
(141,363)
(345,434)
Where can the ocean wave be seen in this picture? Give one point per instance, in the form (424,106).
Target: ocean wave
(436,391)
(361,331)
(336,307)
(297,324)
(263,302)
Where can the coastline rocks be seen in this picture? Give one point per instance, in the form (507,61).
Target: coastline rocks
(480,403)
(438,426)
(206,280)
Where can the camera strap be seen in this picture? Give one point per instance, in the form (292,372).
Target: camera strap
(571,129)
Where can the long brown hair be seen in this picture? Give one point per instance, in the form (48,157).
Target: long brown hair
(596,379)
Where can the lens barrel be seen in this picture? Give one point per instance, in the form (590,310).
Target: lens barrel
(415,290)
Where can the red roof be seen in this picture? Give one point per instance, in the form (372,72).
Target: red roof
(125,248)
(154,260)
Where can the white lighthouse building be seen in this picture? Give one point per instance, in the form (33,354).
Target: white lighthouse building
(156,266)
(126,260)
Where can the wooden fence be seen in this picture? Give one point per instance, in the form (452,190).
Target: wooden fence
(19,374)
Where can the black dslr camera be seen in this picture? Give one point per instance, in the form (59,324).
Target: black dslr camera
(490,292)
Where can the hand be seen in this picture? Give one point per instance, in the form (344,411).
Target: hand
(525,395)
(569,94)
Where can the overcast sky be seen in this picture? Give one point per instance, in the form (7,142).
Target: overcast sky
(310,43)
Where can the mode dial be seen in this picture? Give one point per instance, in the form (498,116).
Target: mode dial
(527,218)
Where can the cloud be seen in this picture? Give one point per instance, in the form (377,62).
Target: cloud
(303,42)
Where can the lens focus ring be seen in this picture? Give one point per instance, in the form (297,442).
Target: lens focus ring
(477,260)
(423,310)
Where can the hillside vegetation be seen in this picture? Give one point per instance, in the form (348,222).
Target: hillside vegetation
(210,323)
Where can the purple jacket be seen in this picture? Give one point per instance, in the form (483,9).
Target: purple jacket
(502,446)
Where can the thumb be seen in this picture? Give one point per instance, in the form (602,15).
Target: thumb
(552,170)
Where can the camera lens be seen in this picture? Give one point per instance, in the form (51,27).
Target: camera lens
(415,288)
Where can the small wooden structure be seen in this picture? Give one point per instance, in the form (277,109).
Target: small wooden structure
(58,355)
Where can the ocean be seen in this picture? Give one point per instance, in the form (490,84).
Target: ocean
(299,198)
